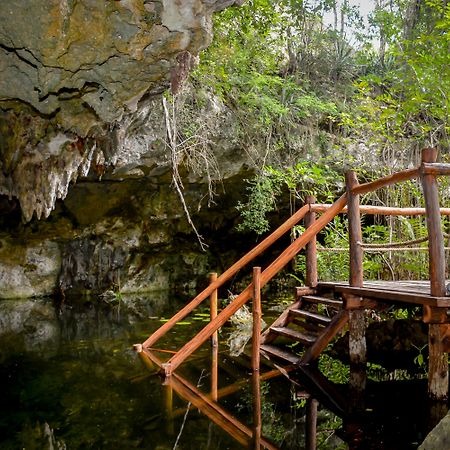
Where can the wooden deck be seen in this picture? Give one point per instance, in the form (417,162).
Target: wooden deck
(413,292)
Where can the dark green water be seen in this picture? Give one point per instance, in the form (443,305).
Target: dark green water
(70,380)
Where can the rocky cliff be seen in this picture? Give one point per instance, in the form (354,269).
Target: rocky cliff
(80,99)
(73,75)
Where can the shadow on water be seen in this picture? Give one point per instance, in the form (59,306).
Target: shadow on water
(71,381)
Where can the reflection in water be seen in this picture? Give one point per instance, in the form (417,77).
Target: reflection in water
(70,380)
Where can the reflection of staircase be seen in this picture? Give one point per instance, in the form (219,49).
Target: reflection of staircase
(313,320)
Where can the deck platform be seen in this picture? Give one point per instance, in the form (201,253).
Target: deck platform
(412,292)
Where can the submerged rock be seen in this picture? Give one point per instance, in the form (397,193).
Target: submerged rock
(439,437)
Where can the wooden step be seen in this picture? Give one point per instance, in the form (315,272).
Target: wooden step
(324,301)
(277,352)
(314,317)
(310,327)
(305,338)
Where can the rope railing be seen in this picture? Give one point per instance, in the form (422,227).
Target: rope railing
(376,250)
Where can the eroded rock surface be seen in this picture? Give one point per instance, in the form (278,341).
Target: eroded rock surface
(73,74)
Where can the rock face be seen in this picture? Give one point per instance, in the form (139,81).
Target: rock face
(439,437)
(72,74)
(80,101)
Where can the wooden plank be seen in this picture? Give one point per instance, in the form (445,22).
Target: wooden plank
(318,318)
(266,276)
(227,275)
(404,175)
(305,338)
(303,290)
(383,210)
(323,301)
(337,323)
(272,350)
(311,247)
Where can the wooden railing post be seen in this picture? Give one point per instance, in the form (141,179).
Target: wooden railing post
(438,375)
(354,231)
(311,248)
(213,308)
(214,340)
(256,336)
(256,341)
(357,328)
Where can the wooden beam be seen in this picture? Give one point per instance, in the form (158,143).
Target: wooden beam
(243,297)
(387,295)
(383,210)
(227,275)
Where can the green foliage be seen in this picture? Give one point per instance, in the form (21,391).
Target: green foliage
(262,200)
(304,178)
(333,369)
(409,97)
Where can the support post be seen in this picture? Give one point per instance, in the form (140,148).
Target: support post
(357,329)
(256,340)
(311,248)
(438,376)
(214,341)
(311,424)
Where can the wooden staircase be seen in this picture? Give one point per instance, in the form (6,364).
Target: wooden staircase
(312,321)
(317,315)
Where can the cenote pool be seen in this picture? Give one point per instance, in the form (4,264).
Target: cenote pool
(71,380)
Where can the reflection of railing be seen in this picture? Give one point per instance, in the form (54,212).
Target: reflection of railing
(427,172)
(208,405)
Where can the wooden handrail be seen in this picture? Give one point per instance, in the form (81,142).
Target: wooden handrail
(435,169)
(382,210)
(228,274)
(404,175)
(244,296)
